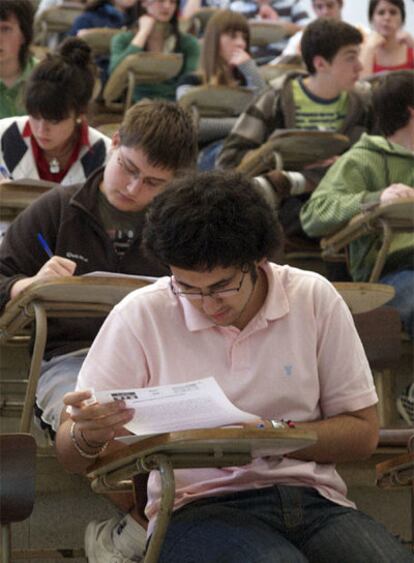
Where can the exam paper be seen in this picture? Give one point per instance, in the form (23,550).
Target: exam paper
(169,408)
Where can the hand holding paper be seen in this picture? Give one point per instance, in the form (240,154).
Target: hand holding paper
(183,406)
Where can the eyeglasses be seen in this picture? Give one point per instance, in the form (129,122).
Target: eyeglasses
(136,175)
(212,293)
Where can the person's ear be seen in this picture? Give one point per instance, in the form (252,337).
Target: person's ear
(320,64)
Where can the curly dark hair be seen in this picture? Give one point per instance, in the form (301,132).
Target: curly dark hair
(208,220)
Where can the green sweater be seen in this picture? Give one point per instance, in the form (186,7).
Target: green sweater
(11,99)
(188,45)
(358,178)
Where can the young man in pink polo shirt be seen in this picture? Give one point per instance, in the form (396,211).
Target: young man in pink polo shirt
(281,343)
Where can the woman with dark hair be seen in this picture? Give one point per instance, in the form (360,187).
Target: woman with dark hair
(225,61)
(388,47)
(157,32)
(54,142)
(16,62)
(113,14)
(105,13)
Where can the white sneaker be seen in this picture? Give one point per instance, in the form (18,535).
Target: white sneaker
(405,405)
(99,547)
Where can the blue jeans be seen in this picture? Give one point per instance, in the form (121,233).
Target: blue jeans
(403,283)
(283,524)
(207,156)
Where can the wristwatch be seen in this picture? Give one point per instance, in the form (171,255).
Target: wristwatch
(277,424)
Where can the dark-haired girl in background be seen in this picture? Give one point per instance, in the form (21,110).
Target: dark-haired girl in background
(54,142)
(16,62)
(157,32)
(388,47)
(113,14)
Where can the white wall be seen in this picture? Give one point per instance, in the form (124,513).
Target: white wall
(356,11)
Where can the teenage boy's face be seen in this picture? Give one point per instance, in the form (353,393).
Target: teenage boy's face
(130,181)
(327,9)
(234,308)
(345,67)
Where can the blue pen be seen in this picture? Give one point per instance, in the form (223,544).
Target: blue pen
(45,246)
(5,173)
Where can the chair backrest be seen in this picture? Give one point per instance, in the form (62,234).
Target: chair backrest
(217,101)
(18,194)
(269,72)
(139,68)
(17,482)
(293,149)
(99,39)
(262,33)
(380,333)
(57,19)
(199,21)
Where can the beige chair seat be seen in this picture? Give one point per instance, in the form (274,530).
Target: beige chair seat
(293,149)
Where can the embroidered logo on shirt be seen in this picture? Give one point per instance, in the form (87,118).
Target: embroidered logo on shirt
(288,369)
(76,256)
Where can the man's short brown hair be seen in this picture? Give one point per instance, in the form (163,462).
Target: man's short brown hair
(164,131)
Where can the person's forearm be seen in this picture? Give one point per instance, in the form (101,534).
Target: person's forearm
(67,454)
(341,438)
(191,7)
(367,58)
(141,37)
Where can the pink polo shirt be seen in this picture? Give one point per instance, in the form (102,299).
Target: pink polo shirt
(299,358)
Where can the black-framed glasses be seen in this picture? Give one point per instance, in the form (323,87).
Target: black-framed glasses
(212,293)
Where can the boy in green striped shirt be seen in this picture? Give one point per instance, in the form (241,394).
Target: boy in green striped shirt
(377,169)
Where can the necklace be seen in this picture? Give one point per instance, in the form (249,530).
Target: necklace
(54,166)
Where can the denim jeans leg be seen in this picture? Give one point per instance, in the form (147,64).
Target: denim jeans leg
(345,535)
(207,157)
(226,530)
(403,283)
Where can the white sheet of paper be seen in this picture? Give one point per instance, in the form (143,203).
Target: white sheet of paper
(170,408)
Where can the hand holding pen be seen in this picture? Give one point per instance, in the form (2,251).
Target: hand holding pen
(56,266)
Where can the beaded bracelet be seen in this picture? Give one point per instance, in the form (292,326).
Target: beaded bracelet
(92,445)
(79,448)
